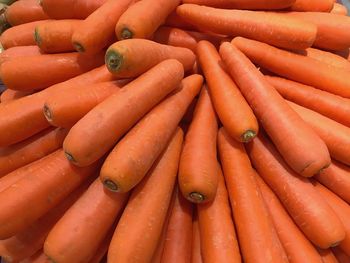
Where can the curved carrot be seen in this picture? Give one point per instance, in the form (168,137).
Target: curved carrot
(132,57)
(247,202)
(244,4)
(276,29)
(117,114)
(147,209)
(309,211)
(19,51)
(313,5)
(134,155)
(339,9)
(10,94)
(341,256)
(276,116)
(233,110)
(327,255)
(196,242)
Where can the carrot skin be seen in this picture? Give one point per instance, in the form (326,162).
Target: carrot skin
(196,242)
(19,51)
(341,256)
(339,9)
(327,255)
(243,4)
(10,94)
(312,5)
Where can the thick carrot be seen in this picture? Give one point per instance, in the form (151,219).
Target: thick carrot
(132,57)
(247,202)
(296,245)
(340,255)
(244,4)
(233,110)
(276,116)
(313,5)
(24,11)
(327,255)
(134,155)
(196,242)
(56,36)
(27,73)
(218,237)
(10,94)
(339,9)
(276,29)
(30,150)
(147,209)
(45,187)
(19,51)
(309,211)
(174,20)
(117,114)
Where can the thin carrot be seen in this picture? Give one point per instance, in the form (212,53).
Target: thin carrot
(132,57)
(276,116)
(10,94)
(134,155)
(19,51)
(327,255)
(313,5)
(147,209)
(247,202)
(340,255)
(56,36)
(276,29)
(233,110)
(45,187)
(309,211)
(196,242)
(117,114)
(27,73)
(174,20)
(244,4)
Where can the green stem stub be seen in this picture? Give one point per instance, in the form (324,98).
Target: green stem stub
(70,157)
(78,47)
(111,185)
(196,197)
(126,33)
(37,37)
(47,113)
(248,136)
(114,60)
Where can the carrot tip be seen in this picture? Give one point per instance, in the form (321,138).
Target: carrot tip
(47,113)
(111,185)
(248,136)
(196,197)
(114,60)
(69,157)
(78,47)
(37,37)
(126,33)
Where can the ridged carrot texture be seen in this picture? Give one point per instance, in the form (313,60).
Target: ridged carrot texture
(30,150)
(147,139)
(327,255)
(217,231)
(313,5)
(45,187)
(10,94)
(233,110)
(55,36)
(24,11)
(247,202)
(147,209)
(78,234)
(340,255)
(132,57)
(117,114)
(196,241)
(296,245)
(308,209)
(244,4)
(97,30)
(276,29)
(339,9)
(276,116)
(19,51)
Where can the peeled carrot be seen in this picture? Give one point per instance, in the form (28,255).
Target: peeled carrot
(339,9)
(78,234)
(56,36)
(244,4)
(132,57)
(276,116)
(309,211)
(340,255)
(27,73)
(174,20)
(10,94)
(19,51)
(233,110)
(247,203)
(327,256)
(147,209)
(313,5)
(45,187)
(32,149)
(276,29)
(134,155)
(196,242)
(117,114)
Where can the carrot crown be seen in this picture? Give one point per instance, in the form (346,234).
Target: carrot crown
(126,33)
(114,60)
(78,47)
(37,37)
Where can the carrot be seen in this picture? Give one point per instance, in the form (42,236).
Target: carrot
(174,20)
(56,36)
(10,94)
(38,257)
(134,155)
(24,11)
(27,73)
(117,114)
(21,35)
(296,245)
(327,255)
(218,237)
(147,209)
(276,116)
(276,29)
(196,242)
(339,9)
(244,4)
(247,203)
(309,211)
(233,111)
(313,5)
(19,51)
(132,57)
(78,234)
(45,187)
(101,254)
(32,149)
(340,255)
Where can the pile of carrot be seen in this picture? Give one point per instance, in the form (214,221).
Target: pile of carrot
(167,131)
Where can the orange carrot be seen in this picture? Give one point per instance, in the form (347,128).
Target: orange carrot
(45,187)
(247,203)
(32,149)
(38,257)
(132,57)
(196,242)
(174,20)
(276,29)
(134,155)
(339,9)
(19,51)
(340,255)
(309,211)
(10,94)
(232,109)
(27,73)
(328,104)
(244,4)
(147,209)
(327,255)
(276,116)
(101,254)
(313,5)
(56,36)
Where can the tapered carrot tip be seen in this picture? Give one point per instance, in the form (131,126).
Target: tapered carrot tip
(78,47)
(69,157)
(47,113)
(111,185)
(114,60)
(37,37)
(126,33)
(196,197)
(248,136)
